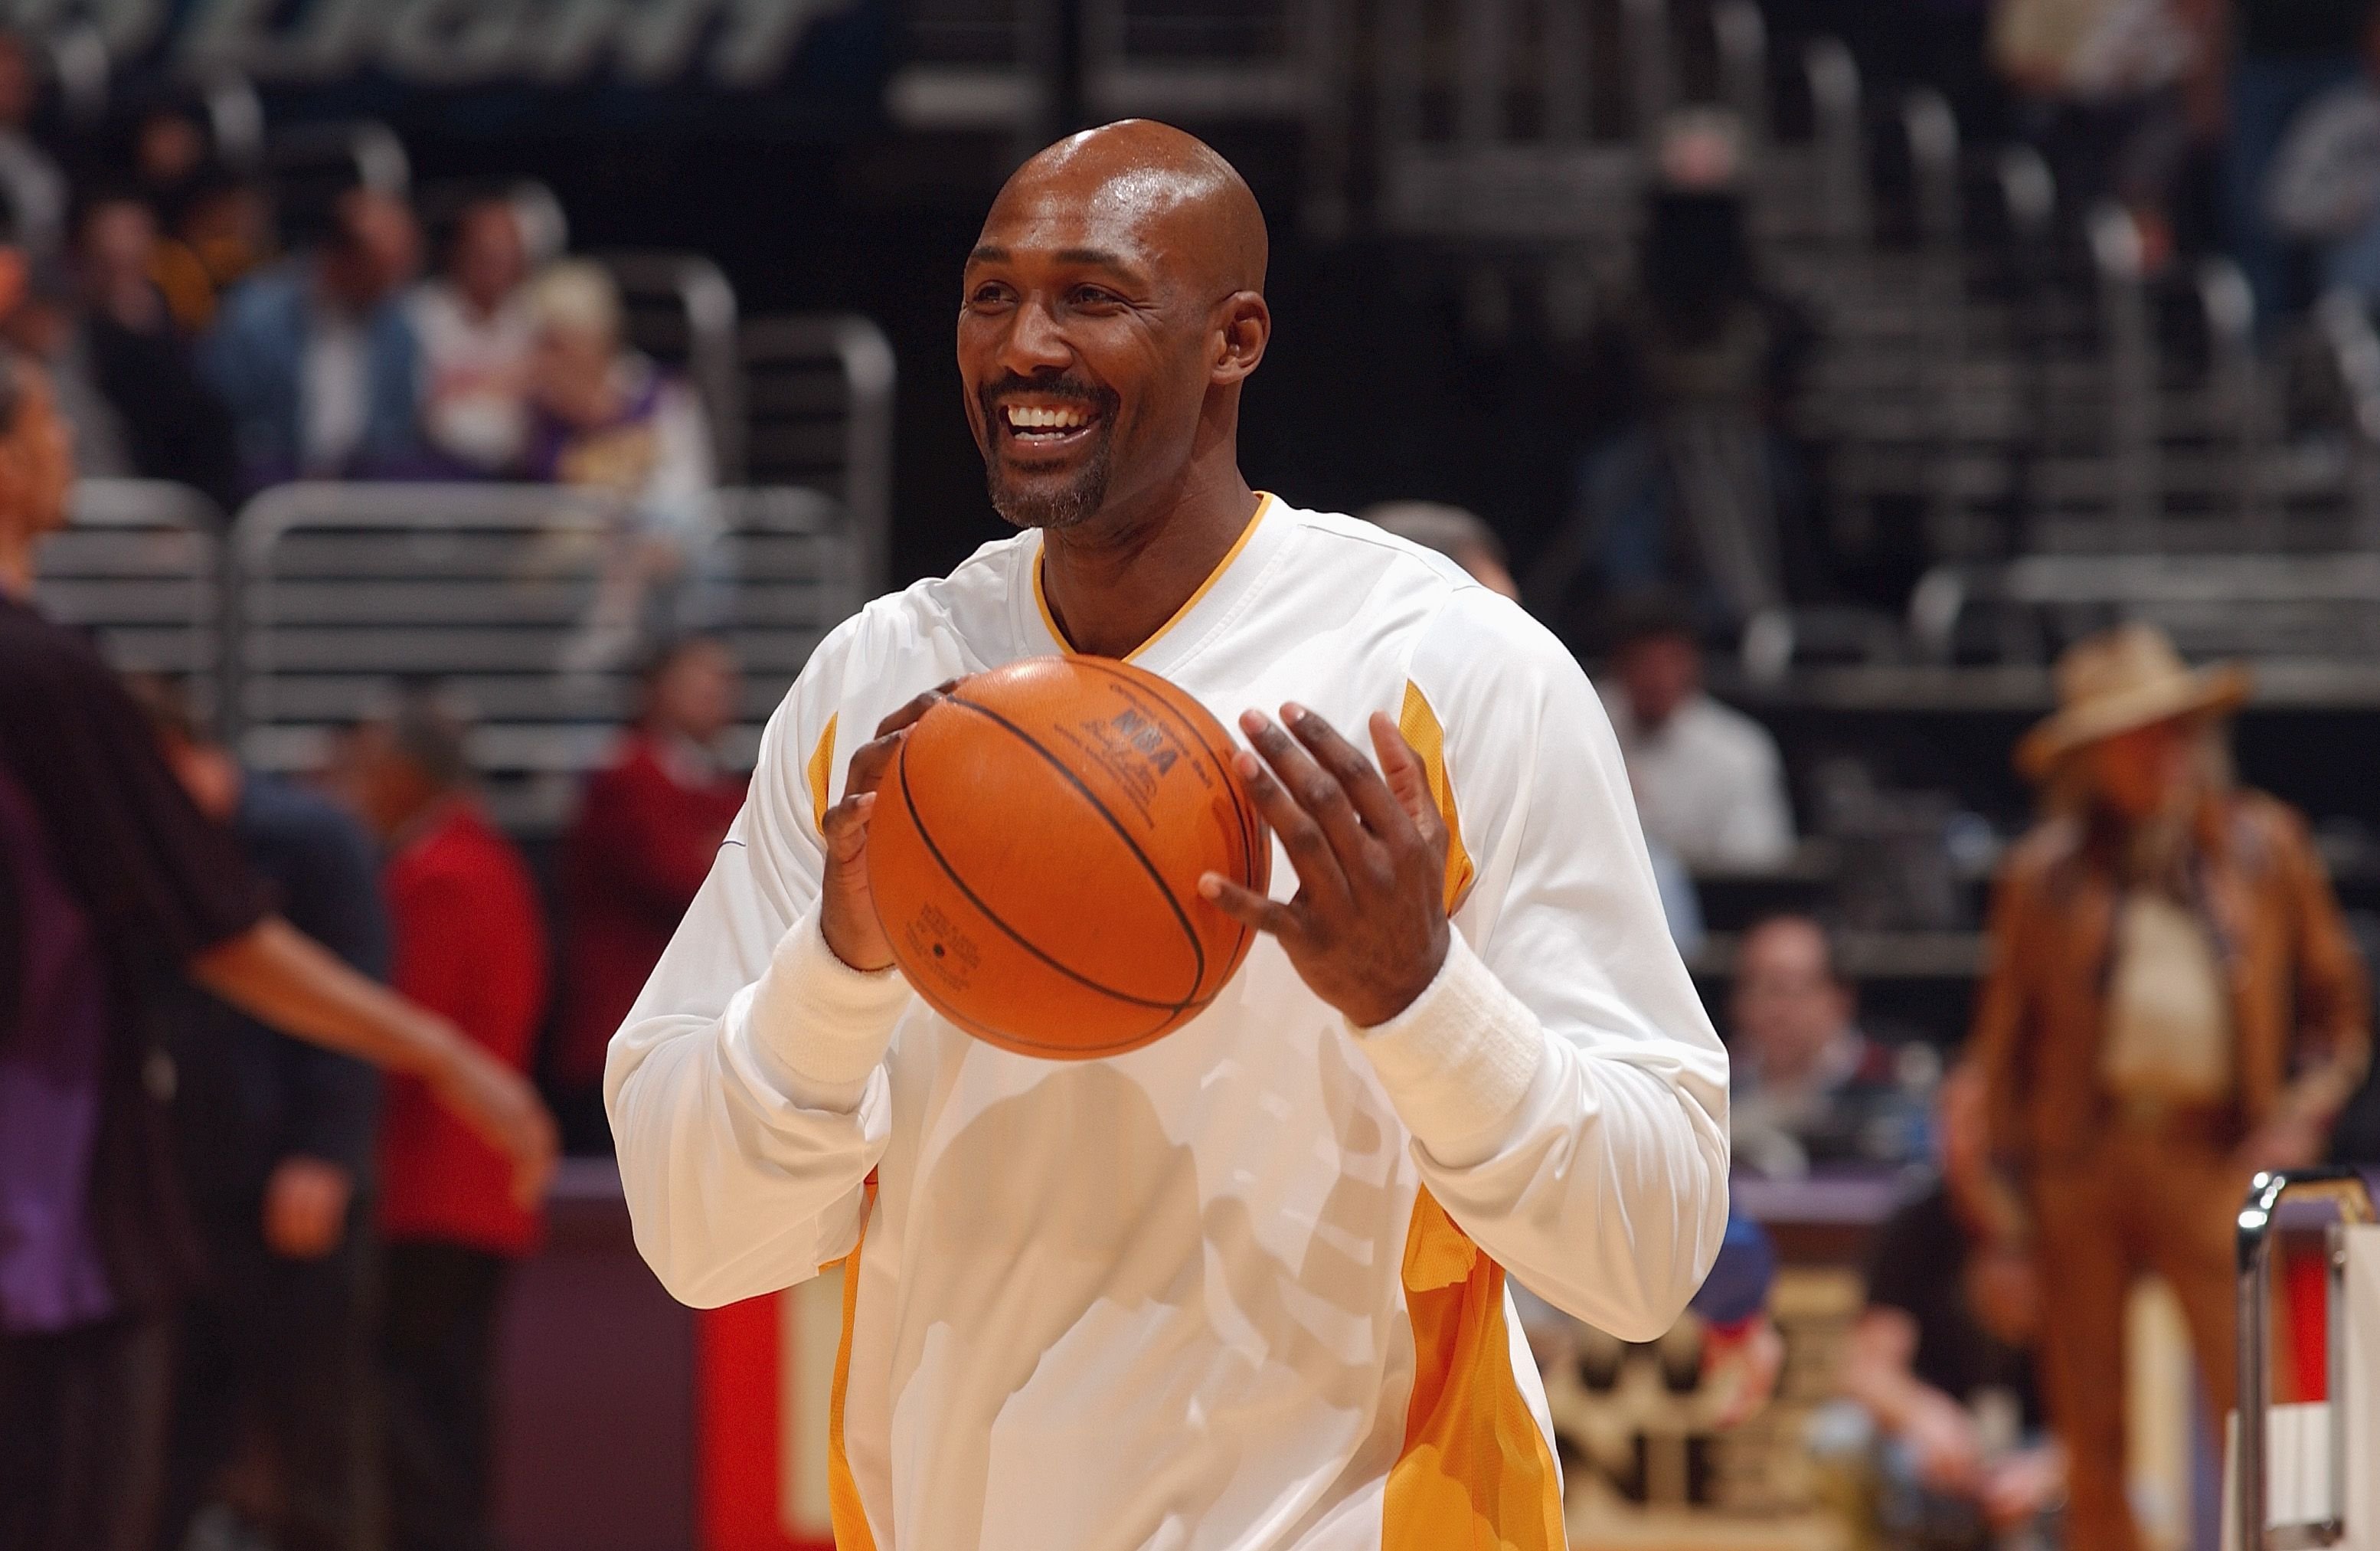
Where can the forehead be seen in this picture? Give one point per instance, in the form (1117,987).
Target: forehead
(1138,219)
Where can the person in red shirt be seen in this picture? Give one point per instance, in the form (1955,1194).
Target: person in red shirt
(467,942)
(646,829)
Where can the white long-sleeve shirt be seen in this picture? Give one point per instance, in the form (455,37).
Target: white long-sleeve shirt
(1242,1288)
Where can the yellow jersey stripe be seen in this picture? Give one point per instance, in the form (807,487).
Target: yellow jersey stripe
(1420,725)
(822,769)
(845,1513)
(1474,1472)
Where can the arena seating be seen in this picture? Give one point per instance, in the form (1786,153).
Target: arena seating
(290,621)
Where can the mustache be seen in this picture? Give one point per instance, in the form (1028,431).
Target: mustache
(992,395)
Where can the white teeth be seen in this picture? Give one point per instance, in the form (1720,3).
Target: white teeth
(1021,417)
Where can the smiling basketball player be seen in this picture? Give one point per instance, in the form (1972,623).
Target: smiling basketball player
(1242,1288)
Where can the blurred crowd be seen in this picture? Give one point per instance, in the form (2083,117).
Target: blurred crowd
(2246,128)
(201,325)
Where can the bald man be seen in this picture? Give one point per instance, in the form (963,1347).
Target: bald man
(1245,1287)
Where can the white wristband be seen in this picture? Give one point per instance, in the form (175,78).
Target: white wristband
(1458,1062)
(813,1025)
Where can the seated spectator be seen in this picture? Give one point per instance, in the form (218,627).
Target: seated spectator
(172,425)
(44,324)
(645,833)
(317,356)
(1948,1444)
(605,418)
(219,231)
(476,342)
(1709,782)
(32,189)
(1458,534)
(276,1140)
(1810,1089)
(470,944)
(2112,93)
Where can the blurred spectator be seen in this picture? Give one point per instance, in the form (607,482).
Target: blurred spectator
(1467,541)
(1742,1351)
(1709,782)
(647,830)
(219,232)
(2172,1003)
(172,425)
(2322,188)
(470,944)
(44,322)
(2111,92)
(270,1410)
(32,187)
(2301,92)
(117,889)
(317,357)
(476,342)
(1950,1441)
(605,418)
(1810,1089)
(1461,536)
(1692,484)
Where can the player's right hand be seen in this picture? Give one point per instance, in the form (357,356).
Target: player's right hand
(847,910)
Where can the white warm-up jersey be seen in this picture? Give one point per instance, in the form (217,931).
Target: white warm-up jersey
(1242,1288)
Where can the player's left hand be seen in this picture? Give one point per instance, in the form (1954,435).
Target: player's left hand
(1367,928)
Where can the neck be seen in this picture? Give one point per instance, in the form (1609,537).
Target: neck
(1113,581)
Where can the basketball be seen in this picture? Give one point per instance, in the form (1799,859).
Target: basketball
(1036,850)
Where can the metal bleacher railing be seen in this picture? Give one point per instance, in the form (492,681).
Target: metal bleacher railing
(508,598)
(140,565)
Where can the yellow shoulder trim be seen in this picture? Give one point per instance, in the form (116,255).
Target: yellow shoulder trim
(1042,598)
(1420,725)
(821,768)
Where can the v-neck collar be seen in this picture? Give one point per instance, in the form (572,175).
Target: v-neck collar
(1234,566)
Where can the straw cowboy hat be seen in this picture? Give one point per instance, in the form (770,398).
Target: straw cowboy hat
(2120,679)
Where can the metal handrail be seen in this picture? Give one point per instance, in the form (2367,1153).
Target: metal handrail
(2129,356)
(1941,596)
(868,371)
(2348,1190)
(2344,325)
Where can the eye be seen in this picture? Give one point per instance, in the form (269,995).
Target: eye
(1093,297)
(991,293)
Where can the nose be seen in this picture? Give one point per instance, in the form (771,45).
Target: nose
(1033,342)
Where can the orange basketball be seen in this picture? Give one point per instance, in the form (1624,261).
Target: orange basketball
(1036,850)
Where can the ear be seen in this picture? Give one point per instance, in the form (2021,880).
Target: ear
(1243,326)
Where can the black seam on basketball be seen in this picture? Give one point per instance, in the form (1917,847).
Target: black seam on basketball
(1036,1048)
(1243,808)
(1164,890)
(926,836)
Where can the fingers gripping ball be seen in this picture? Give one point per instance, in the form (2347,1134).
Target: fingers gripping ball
(1035,854)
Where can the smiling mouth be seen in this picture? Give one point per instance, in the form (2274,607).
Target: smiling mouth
(1048,426)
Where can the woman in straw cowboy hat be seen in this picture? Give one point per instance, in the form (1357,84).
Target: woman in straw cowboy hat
(2172,1003)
